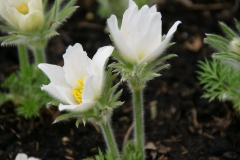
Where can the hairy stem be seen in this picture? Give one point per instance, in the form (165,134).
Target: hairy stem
(39,55)
(138,120)
(110,140)
(23,56)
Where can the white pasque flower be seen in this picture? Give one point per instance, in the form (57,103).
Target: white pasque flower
(78,84)
(23,156)
(140,37)
(25,15)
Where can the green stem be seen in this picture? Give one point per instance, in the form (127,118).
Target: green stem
(39,55)
(138,120)
(110,140)
(23,56)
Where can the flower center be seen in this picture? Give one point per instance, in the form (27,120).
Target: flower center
(78,89)
(23,9)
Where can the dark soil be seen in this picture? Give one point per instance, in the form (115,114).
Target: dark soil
(179,124)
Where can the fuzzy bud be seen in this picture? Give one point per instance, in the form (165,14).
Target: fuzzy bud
(24,15)
(234,45)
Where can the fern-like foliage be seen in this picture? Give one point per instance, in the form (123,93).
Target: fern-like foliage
(101,156)
(25,92)
(130,152)
(220,81)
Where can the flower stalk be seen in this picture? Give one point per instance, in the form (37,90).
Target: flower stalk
(138,120)
(39,55)
(109,139)
(23,57)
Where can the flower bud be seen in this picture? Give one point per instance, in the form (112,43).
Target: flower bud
(234,45)
(24,15)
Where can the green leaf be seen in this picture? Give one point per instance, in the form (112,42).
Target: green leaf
(219,79)
(101,156)
(130,153)
(3,98)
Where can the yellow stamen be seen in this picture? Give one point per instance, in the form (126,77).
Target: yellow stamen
(78,89)
(23,9)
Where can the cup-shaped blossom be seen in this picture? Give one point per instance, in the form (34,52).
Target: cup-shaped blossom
(140,37)
(24,15)
(79,83)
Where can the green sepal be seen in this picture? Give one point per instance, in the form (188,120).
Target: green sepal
(79,120)
(6,28)
(237,24)
(218,45)
(67,115)
(218,38)
(115,97)
(228,31)
(139,74)
(230,58)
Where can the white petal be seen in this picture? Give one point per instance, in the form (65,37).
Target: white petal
(77,64)
(100,58)
(153,9)
(145,38)
(21,156)
(34,5)
(92,88)
(76,108)
(120,42)
(12,16)
(173,28)
(62,94)
(160,49)
(128,16)
(55,73)
(131,4)
(16,4)
(31,21)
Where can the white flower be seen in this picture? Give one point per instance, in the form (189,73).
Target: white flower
(140,37)
(78,84)
(25,15)
(23,156)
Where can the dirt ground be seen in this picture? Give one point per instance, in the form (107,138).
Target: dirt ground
(179,124)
